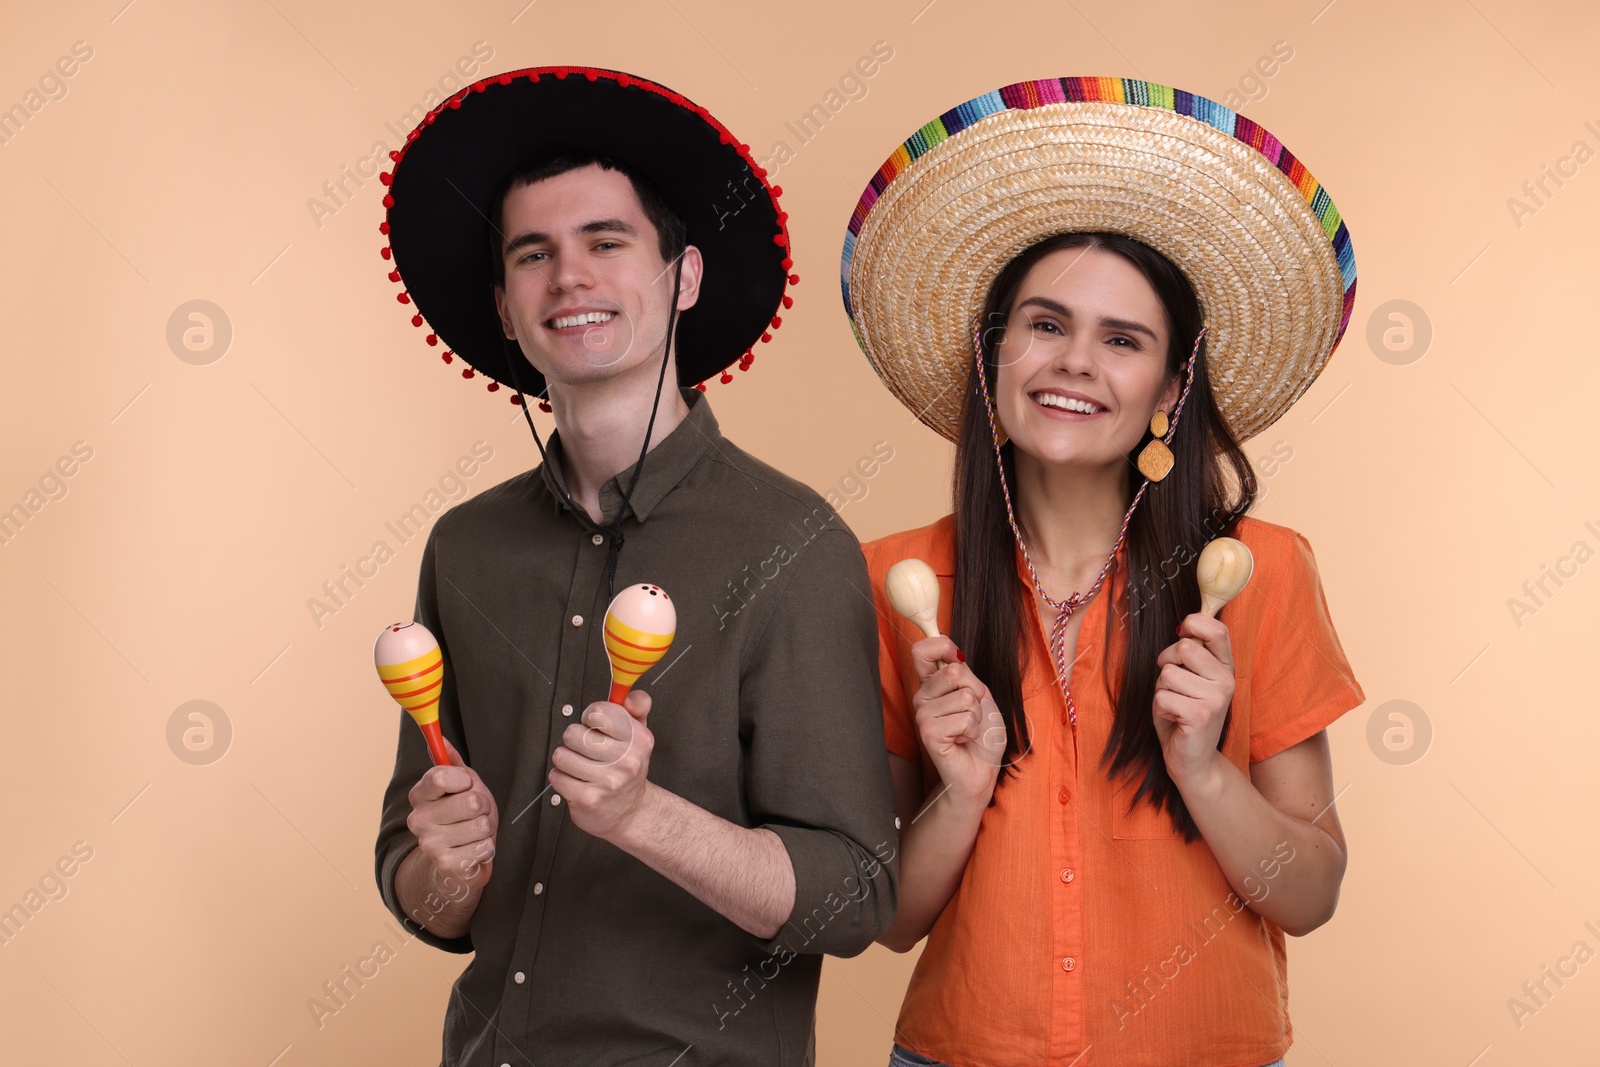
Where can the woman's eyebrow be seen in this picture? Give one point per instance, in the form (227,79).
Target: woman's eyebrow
(1110,323)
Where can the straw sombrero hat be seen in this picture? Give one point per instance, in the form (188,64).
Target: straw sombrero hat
(1258,237)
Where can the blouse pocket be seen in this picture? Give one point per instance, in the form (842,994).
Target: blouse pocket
(1145,822)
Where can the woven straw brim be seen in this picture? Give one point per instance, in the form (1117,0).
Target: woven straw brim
(1271,289)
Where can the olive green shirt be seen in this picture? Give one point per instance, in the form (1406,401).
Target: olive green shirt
(766,711)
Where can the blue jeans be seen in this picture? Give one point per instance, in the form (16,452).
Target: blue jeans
(900,1056)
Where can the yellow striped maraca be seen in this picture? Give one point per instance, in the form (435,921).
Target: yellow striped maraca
(411,668)
(639,626)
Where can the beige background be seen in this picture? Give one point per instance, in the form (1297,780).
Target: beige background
(178,564)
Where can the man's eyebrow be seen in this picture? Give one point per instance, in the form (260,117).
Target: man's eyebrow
(1106,321)
(534,237)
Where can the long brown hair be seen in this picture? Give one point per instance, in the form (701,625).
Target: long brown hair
(1176,518)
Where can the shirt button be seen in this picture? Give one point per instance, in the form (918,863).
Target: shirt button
(566,709)
(555,800)
(1063,795)
(519,978)
(577,620)
(897,822)
(1067,875)
(598,539)
(1068,963)
(538,887)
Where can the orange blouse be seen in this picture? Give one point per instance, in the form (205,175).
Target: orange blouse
(1083,935)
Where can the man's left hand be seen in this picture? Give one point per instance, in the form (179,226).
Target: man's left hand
(601,768)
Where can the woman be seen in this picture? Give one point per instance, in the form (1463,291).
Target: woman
(1113,806)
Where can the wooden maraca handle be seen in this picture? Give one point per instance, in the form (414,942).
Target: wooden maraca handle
(1223,571)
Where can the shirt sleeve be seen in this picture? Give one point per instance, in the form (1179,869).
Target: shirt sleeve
(1300,678)
(816,773)
(395,840)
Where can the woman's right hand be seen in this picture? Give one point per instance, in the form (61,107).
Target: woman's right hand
(960,726)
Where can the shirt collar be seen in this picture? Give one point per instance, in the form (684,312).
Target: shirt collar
(665,465)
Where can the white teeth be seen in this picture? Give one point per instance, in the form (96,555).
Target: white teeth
(562,322)
(1066,403)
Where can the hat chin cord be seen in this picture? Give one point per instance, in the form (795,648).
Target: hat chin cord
(514,355)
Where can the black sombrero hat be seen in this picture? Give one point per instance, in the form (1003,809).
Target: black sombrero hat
(447,174)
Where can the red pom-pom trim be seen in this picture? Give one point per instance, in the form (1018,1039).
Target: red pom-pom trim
(776,322)
(404,298)
(383,227)
(493,386)
(432,339)
(466,372)
(700,386)
(447,356)
(765,338)
(786,264)
(726,378)
(544,405)
(788,301)
(794,279)
(416,320)
(386,252)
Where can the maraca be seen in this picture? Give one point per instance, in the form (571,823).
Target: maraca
(913,589)
(639,626)
(1223,571)
(411,668)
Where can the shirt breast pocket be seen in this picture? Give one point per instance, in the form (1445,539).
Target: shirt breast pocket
(1144,822)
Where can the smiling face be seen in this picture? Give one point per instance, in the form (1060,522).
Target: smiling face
(1082,365)
(586,290)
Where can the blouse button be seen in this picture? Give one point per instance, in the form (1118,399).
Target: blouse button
(1067,875)
(598,539)
(577,620)
(566,709)
(1068,963)
(555,800)
(519,978)
(1063,794)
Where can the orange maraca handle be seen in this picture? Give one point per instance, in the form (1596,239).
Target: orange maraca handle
(435,739)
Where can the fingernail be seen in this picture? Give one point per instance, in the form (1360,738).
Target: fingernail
(960,657)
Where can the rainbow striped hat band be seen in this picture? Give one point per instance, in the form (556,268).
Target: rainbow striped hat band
(1256,234)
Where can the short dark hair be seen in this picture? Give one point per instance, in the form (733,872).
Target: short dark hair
(671,233)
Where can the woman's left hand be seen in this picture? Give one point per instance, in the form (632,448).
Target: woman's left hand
(1193,692)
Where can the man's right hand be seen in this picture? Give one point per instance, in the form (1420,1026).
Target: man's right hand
(454,819)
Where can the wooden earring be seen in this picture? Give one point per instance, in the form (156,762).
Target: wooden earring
(1155,462)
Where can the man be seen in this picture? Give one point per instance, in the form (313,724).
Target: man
(652,882)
